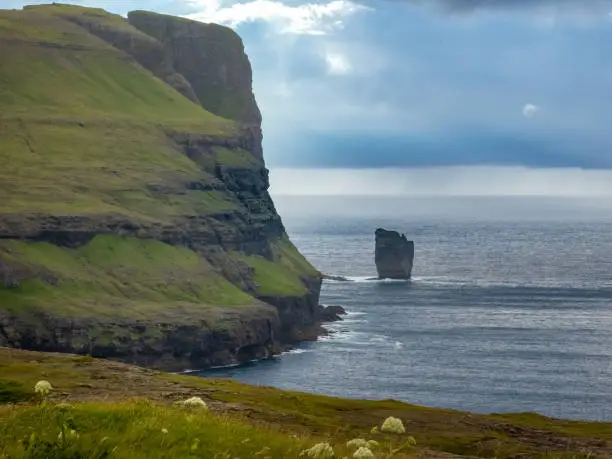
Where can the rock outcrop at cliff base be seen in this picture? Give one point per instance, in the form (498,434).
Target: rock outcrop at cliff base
(135,218)
(394,255)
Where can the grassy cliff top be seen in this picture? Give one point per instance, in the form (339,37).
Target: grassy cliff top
(52,69)
(84,126)
(131,406)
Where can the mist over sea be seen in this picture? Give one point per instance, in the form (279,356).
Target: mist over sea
(510,307)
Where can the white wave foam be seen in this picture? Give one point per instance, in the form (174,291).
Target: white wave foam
(374,280)
(297,351)
(355,313)
(340,334)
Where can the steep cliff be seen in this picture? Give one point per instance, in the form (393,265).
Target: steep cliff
(135,221)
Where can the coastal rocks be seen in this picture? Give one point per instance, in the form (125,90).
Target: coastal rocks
(394,255)
(330,313)
(336,278)
(222,338)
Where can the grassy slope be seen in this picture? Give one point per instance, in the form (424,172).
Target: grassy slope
(282,276)
(285,421)
(115,276)
(108,162)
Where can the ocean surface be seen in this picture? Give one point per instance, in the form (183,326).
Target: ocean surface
(509,310)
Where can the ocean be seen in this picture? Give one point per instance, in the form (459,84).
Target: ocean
(509,308)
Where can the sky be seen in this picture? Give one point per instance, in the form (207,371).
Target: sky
(466,96)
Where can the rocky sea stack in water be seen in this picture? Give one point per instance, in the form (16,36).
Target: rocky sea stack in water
(135,219)
(394,255)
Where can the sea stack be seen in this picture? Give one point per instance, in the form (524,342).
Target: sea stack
(394,255)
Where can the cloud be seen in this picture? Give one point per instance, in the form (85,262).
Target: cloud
(442,181)
(301,19)
(337,64)
(530,110)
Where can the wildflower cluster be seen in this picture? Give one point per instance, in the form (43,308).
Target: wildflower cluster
(357,443)
(43,388)
(319,451)
(363,453)
(362,448)
(193,402)
(393,425)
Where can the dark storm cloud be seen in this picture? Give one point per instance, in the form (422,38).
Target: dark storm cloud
(593,6)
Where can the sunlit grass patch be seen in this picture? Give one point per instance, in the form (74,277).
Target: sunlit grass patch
(93,280)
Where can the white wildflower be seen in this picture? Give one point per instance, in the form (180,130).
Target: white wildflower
(356,443)
(43,388)
(164,431)
(363,453)
(69,434)
(193,402)
(373,444)
(393,425)
(320,451)
(374,430)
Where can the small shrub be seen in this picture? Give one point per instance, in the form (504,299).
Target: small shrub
(13,392)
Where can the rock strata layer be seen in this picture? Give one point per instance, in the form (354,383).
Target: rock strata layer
(394,255)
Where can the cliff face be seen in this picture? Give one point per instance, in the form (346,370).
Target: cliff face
(212,59)
(136,223)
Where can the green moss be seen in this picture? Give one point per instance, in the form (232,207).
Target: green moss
(115,276)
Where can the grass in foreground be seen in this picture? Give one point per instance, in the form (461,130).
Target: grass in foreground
(136,429)
(288,419)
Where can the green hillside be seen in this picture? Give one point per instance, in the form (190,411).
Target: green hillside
(124,199)
(83,127)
